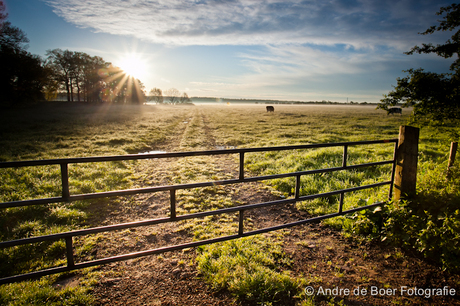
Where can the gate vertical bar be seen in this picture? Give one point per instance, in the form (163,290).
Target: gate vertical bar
(240,223)
(241,166)
(65,181)
(297,186)
(452,153)
(342,196)
(69,251)
(344,165)
(345,156)
(393,171)
(173,203)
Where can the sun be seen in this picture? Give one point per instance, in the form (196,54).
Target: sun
(133,65)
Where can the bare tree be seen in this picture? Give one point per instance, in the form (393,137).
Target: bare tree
(156,95)
(64,66)
(172,95)
(184,98)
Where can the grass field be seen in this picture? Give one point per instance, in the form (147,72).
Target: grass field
(77,130)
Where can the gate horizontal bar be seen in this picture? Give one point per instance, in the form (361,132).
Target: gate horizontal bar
(123,257)
(125,192)
(45,162)
(109,228)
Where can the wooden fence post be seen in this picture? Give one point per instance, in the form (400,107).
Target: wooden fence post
(406,163)
(453,152)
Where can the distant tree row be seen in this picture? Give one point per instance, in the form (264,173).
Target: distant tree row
(90,78)
(26,78)
(172,96)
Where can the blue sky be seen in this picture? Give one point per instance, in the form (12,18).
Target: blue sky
(274,49)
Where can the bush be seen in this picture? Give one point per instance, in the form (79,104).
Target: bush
(428,224)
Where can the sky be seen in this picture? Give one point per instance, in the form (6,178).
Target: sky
(335,50)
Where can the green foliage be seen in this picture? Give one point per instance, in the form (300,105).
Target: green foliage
(248,268)
(449,23)
(434,97)
(429,224)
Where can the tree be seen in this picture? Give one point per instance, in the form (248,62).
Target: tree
(172,95)
(3,15)
(156,95)
(94,79)
(435,97)
(184,98)
(136,91)
(22,76)
(63,65)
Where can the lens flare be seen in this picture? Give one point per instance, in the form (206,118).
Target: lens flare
(133,65)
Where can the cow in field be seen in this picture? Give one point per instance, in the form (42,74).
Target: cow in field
(270,109)
(394,110)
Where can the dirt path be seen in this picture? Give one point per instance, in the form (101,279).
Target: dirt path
(320,255)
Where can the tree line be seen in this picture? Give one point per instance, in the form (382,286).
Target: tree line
(172,96)
(89,78)
(26,78)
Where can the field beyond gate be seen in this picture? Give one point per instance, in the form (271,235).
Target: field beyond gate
(60,131)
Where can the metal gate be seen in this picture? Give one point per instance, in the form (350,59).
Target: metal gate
(66,197)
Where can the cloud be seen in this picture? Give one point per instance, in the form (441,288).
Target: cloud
(359,23)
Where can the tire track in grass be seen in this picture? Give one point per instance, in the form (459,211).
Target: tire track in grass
(196,134)
(167,279)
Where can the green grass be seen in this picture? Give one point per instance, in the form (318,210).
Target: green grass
(59,131)
(248,267)
(77,130)
(42,292)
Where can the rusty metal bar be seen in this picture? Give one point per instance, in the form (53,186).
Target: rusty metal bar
(123,257)
(297,186)
(69,252)
(44,162)
(345,156)
(68,236)
(182,217)
(173,203)
(65,181)
(241,223)
(393,172)
(182,186)
(342,196)
(241,176)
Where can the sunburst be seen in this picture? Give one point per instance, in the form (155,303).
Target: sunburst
(133,65)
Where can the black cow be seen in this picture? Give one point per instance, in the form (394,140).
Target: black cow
(394,110)
(270,109)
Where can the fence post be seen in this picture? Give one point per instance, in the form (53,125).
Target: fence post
(406,163)
(453,152)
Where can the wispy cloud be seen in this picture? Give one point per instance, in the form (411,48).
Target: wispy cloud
(359,23)
(298,49)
